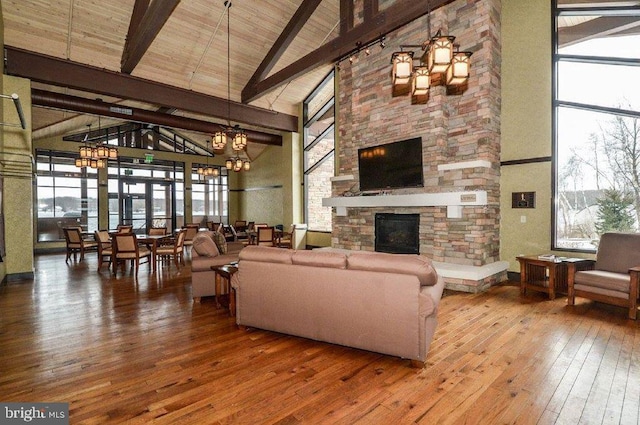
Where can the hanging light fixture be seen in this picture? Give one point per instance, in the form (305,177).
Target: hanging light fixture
(208,171)
(235,134)
(95,157)
(441,63)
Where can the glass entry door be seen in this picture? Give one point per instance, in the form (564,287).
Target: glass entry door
(146,204)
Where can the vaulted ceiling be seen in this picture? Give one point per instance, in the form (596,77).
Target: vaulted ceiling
(185,58)
(177,62)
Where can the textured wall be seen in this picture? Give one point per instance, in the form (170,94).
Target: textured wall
(526,127)
(454,128)
(17,192)
(262,197)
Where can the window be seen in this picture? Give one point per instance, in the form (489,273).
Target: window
(210,197)
(65,196)
(596,122)
(319,146)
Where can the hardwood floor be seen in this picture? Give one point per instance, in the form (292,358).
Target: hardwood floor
(122,350)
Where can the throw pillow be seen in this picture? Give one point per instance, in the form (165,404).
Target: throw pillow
(205,246)
(221,241)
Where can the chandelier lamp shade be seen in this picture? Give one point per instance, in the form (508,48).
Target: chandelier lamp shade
(402,67)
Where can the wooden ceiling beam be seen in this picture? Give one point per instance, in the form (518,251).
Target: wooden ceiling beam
(139,9)
(395,16)
(293,27)
(155,16)
(126,113)
(594,28)
(64,73)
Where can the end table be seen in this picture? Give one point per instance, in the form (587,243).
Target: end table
(224,273)
(549,275)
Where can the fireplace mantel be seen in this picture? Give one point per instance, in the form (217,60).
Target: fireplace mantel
(454,201)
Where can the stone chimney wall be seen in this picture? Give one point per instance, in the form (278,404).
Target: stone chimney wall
(455,129)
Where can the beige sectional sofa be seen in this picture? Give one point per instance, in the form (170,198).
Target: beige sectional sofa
(385,303)
(205,253)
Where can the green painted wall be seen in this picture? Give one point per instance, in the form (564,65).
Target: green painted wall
(525,127)
(17,200)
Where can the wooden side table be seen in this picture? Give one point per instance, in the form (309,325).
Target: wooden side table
(542,275)
(223,275)
(547,275)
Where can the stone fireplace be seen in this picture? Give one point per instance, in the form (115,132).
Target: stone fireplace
(460,134)
(397,233)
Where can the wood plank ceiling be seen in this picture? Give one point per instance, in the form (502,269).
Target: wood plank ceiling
(171,55)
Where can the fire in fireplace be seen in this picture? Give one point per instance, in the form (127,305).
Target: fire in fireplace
(397,233)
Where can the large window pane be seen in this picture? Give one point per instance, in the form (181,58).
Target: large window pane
(319,146)
(66,196)
(617,90)
(318,183)
(597,133)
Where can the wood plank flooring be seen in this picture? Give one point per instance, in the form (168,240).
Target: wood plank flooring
(126,350)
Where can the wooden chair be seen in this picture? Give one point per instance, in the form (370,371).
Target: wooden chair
(76,244)
(286,239)
(613,278)
(157,231)
(265,236)
(174,250)
(240,226)
(191,230)
(105,247)
(125,247)
(124,228)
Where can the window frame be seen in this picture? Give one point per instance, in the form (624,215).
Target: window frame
(557,104)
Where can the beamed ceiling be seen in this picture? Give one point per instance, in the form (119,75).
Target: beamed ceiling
(165,61)
(170,57)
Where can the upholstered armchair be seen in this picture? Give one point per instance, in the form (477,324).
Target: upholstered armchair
(613,277)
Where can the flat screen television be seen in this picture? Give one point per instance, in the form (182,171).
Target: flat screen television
(391,166)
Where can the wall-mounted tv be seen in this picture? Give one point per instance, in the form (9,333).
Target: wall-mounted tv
(391,166)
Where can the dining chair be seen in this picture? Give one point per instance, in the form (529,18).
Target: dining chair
(265,236)
(174,250)
(191,230)
(125,247)
(76,244)
(124,228)
(157,231)
(285,239)
(105,247)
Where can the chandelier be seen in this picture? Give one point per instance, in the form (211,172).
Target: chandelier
(235,134)
(95,156)
(440,64)
(238,164)
(208,170)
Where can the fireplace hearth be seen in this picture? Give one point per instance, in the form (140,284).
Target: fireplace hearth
(397,233)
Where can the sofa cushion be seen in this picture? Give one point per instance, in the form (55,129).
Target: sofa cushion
(266,254)
(395,263)
(220,240)
(329,259)
(205,246)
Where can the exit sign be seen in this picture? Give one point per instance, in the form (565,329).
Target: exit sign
(148,158)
